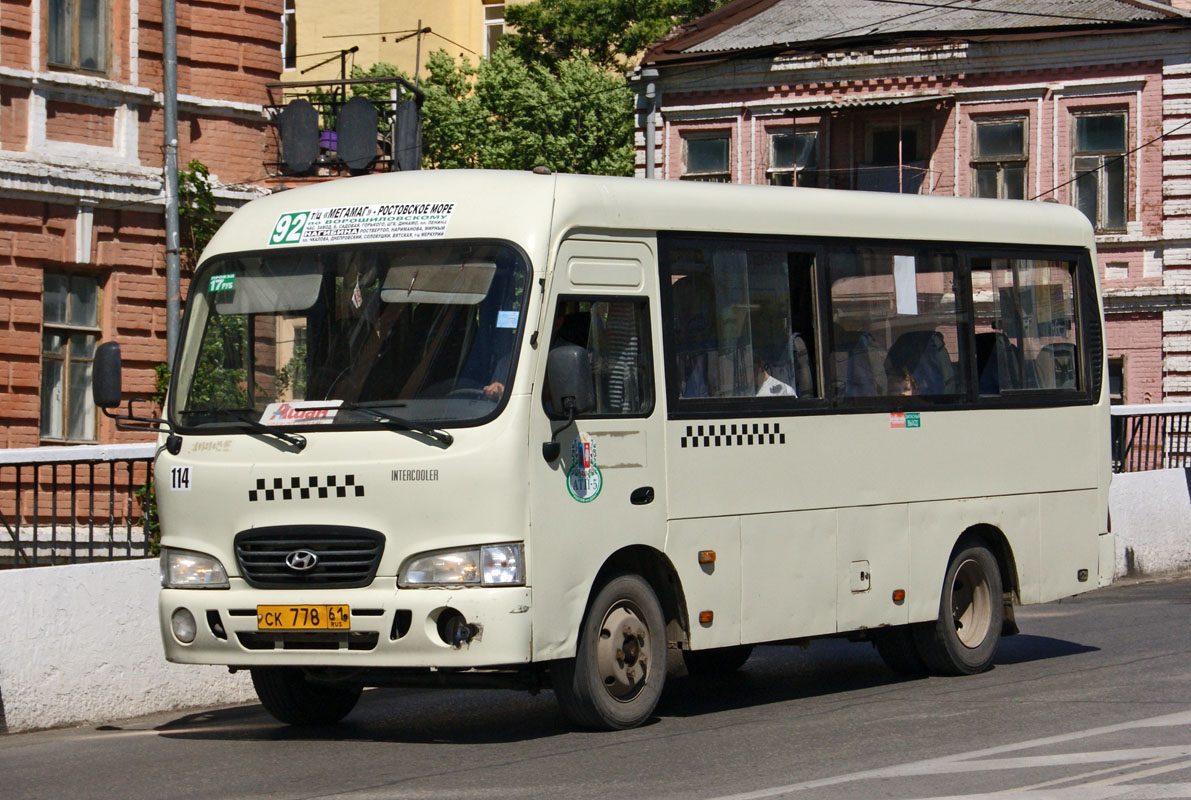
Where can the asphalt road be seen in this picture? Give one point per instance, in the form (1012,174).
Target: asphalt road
(1092,700)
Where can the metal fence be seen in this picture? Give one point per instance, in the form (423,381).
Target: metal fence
(1151,437)
(70,505)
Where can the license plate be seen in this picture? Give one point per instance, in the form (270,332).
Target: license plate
(303,618)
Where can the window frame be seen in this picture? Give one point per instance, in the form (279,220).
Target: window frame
(1090,342)
(718,176)
(811,173)
(492,22)
(1103,157)
(74,38)
(647,349)
(289,36)
(66,359)
(1001,162)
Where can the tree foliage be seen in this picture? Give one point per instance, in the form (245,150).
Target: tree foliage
(197,216)
(509,113)
(609,32)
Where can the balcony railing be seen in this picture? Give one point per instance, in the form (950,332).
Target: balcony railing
(1151,437)
(71,505)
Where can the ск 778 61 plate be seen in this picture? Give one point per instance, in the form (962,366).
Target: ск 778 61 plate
(303,618)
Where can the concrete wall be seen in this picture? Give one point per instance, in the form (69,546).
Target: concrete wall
(1151,518)
(81,644)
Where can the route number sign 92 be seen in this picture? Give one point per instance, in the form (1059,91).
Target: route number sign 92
(289,227)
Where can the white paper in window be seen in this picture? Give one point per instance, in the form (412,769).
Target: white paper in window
(905,285)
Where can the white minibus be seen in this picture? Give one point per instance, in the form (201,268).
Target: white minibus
(451,428)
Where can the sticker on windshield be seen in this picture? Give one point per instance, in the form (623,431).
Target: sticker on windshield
(584,480)
(507,319)
(362,223)
(222,283)
(301,412)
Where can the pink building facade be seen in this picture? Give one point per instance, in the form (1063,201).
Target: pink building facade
(1053,113)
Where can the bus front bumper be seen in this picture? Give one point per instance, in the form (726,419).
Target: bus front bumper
(389,627)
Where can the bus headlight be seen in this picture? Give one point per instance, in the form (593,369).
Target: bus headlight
(186,569)
(490,565)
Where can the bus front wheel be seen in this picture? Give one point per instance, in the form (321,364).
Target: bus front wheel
(616,677)
(289,697)
(964,639)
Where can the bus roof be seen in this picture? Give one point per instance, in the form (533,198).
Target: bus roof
(524,207)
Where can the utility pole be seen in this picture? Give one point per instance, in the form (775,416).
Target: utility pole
(173,267)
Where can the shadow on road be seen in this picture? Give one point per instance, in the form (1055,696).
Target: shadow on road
(1023,647)
(775,674)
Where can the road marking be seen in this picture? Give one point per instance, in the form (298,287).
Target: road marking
(961,762)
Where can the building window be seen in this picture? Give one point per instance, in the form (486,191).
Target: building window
(78,34)
(706,159)
(70,330)
(1116,381)
(999,159)
(289,37)
(1100,170)
(793,158)
(494,27)
(895,162)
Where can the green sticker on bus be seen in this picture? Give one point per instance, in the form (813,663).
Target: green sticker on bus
(913,419)
(222,283)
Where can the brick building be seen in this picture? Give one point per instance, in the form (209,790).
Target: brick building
(82,244)
(1086,103)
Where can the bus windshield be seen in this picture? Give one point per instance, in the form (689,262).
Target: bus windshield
(425,333)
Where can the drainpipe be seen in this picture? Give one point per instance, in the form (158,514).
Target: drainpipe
(650,75)
(173,281)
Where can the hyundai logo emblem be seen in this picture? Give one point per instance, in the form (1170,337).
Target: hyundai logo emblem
(301,560)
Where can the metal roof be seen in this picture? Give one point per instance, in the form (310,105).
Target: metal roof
(755,24)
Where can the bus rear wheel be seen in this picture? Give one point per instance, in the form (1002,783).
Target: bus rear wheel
(616,677)
(964,639)
(290,698)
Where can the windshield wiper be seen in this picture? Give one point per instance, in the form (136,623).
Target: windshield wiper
(256,426)
(399,423)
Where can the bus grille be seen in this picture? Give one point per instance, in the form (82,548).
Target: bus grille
(346,558)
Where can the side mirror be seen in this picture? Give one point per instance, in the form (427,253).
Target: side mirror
(105,381)
(572,391)
(569,376)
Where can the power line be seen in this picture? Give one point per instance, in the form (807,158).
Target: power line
(1036,14)
(1113,160)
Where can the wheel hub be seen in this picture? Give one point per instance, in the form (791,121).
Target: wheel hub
(624,652)
(971,604)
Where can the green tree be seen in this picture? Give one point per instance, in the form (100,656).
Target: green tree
(197,216)
(609,32)
(509,113)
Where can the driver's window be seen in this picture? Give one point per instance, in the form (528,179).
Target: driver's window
(615,333)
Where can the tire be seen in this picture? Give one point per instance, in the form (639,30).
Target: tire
(971,612)
(616,677)
(290,698)
(717,662)
(897,649)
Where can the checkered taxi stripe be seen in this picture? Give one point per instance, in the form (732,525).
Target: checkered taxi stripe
(739,435)
(295,488)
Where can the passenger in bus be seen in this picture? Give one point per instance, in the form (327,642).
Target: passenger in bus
(921,356)
(767,384)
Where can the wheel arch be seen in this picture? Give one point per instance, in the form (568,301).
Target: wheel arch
(658,571)
(995,540)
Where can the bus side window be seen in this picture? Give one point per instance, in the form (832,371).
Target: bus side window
(615,333)
(895,324)
(1025,325)
(743,321)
